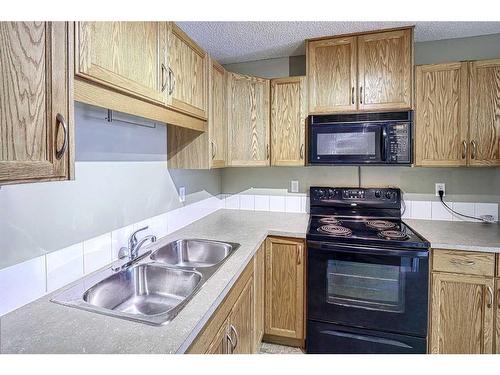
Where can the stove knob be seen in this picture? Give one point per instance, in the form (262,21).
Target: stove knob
(331,194)
(378,194)
(388,195)
(320,194)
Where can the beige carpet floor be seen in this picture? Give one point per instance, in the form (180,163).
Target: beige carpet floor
(267,348)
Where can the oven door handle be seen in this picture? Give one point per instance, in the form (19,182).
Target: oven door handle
(377,340)
(366,250)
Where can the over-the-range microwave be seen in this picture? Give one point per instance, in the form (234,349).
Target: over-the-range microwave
(383,138)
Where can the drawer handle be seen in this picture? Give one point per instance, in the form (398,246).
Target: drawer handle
(462,262)
(61,121)
(490,295)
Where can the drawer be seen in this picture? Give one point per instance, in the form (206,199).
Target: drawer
(471,263)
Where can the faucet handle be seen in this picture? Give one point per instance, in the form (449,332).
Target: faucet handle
(133,237)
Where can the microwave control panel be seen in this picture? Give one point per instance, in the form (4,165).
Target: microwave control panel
(398,142)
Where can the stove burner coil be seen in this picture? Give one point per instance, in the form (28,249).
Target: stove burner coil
(329,220)
(380,224)
(393,235)
(335,230)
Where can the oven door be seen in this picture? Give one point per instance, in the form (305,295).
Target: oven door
(372,288)
(346,144)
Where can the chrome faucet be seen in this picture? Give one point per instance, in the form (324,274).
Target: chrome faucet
(134,245)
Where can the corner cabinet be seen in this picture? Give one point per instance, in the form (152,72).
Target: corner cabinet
(36,101)
(363,72)
(248,121)
(288,121)
(285,288)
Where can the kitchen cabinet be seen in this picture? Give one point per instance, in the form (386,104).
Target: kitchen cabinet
(442,107)
(241,322)
(259,294)
(288,121)
(187,74)
(248,121)
(463,305)
(484,112)
(36,102)
(284,303)
(332,75)
(361,72)
(219,344)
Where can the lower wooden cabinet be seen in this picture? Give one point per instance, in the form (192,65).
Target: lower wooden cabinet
(259,291)
(241,323)
(219,344)
(284,303)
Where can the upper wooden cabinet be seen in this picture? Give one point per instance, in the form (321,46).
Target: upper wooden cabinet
(217,115)
(332,75)
(36,101)
(484,113)
(367,72)
(187,74)
(284,303)
(126,56)
(442,124)
(385,70)
(288,121)
(248,121)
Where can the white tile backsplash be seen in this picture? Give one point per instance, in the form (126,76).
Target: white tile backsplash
(119,239)
(486,209)
(22,283)
(276,203)
(406,210)
(261,202)
(96,253)
(233,202)
(463,208)
(247,202)
(421,210)
(292,204)
(64,266)
(440,212)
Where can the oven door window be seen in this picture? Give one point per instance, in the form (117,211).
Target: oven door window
(366,285)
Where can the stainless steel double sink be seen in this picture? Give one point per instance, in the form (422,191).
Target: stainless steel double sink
(154,287)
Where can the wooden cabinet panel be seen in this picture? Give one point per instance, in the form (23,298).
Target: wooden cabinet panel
(464,262)
(259,291)
(284,305)
(36,101)
(241,322)
(188,74)
(385,70)
(331,71)
(497,316)
(442,121)
(248,120)
(126,56)
(485,113)
(462,314)
(288,121)
(219,345)
(217,117)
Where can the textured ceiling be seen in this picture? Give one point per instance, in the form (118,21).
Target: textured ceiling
(230,42)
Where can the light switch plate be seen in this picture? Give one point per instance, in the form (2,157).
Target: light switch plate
(182,194)
(294,186)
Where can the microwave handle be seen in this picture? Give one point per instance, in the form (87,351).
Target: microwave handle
(383,144)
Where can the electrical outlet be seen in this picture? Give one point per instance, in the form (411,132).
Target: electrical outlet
(182,194)
(294,186)
(440,186)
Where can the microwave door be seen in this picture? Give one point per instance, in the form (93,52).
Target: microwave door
(346,144)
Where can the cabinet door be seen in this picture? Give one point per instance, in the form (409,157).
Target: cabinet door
(284,305)
(288,121)
(126,56)
(219,345)
(259,288)
(462,314)
(385,64)
(442,123)
(36,101)
(248,120)
(485,112)
(241,322)
(217,117)
(497,316)
(331,72)
(188,74)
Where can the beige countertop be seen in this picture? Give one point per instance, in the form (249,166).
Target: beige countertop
(45,327)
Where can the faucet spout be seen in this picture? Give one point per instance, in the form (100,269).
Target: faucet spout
(135,250)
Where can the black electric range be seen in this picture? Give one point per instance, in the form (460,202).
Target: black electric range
(367,274)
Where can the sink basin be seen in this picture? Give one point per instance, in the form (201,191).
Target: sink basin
(144,289)
(193,253)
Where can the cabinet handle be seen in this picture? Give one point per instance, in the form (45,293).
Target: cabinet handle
(462,262)
(474,149)
(267,152)
(352,95)
(213,149)
(490,294)
(498,298)
(299,256)
(163,77)
(302,151)
(236,338)
(171,81)
(230,343)
(360,94)
(61,121)
(464,151)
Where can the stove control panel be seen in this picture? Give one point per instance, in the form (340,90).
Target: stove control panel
(362,197)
